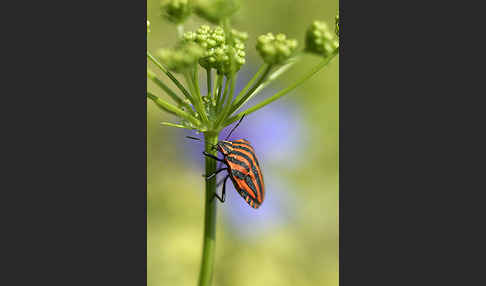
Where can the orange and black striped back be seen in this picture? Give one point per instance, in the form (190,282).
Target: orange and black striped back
(245,170)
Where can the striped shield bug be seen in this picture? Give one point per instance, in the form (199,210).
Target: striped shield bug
(242,167)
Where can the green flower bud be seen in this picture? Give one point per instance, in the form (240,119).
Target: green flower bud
(217,51)
(275,49)
(176,11)
(216,10)
(182,58)
(320,40)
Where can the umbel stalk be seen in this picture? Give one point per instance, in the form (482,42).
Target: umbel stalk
(209,240)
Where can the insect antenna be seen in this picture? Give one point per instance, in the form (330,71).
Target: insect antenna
(193,138)
(198,139)
(234,127)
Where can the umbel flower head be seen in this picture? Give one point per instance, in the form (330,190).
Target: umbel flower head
(217,49)
(320,40)
(182,58)
(176,11)
(275,49)
(216,10)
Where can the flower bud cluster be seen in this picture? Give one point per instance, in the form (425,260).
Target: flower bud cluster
(217,50)
(275,49)
(176,11)
(182,58)
(320,40)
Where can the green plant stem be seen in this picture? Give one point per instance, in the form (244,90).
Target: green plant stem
(209,240)
(192,93)
(283,92)
(173,109)
(271,78)
(250,83)
(151,75)
(217,86)
(222,94)
(241,99)
(210,95)
(178,126)
(170,75)
(233,76)
(196,99)
(209,81)
(274,75)
(195,80)
(227,107)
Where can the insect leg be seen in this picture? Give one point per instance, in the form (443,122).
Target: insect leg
(224,188)
(212,156)
(215,173)
(223,194)
(220,182)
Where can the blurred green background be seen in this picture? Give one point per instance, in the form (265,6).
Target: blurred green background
(293,238)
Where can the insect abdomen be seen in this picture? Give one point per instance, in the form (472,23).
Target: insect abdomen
(245,172)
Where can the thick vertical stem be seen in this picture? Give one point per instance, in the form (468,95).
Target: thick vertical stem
(209,243)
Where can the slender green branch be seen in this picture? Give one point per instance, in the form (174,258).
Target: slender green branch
(271,78)
(195,100)
(192,94)
(250,83)
(190,84)
(209,241)
(276,74)
(195,80)
(217,90)
(209,82)
(222,95)
(217,87)
(170,75)
(283,92)
(151,75)
(173,109)
(220,86)
(233,75)
(239,101)
(178,126)
(227,107)
(210,95)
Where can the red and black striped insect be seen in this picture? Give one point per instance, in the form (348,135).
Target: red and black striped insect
(243,169)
